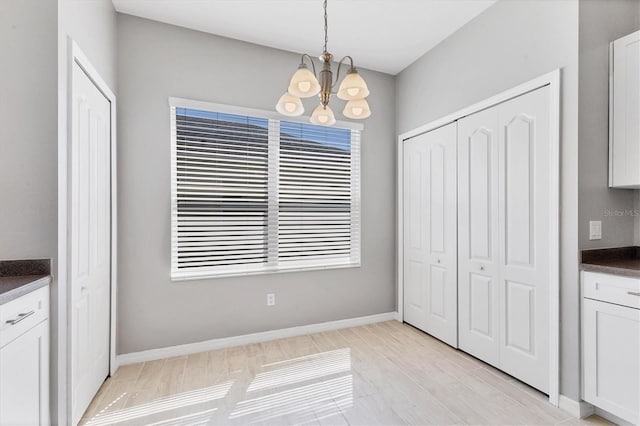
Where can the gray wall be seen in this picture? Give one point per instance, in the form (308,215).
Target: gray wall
(92,25)
(512,42)
(156,61)
(600,23)
(28,205)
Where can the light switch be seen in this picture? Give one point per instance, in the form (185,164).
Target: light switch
(595,230)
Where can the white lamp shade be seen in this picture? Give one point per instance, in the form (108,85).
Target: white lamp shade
(289,105)
(353,87)
(357,109)
(303,83)
(323,116)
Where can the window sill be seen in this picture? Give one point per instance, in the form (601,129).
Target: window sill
(201,275)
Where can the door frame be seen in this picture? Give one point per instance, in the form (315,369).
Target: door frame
(65,386)
(551,79)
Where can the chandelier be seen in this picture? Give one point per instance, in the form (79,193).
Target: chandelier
(305,84)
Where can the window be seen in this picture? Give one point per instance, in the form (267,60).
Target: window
(252,194)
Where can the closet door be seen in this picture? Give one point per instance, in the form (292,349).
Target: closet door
(524,237)
(478,249)
(503,247)
(430,272)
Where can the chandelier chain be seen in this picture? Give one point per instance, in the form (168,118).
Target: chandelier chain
(326,26)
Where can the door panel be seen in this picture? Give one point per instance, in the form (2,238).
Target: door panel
(429,194)
(90,206)
(477,225)
(503,226)
(524,236)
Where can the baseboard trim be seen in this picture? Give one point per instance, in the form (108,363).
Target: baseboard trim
(228,342)
(579,409)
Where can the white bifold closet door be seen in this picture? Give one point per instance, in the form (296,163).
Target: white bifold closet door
(503,226)
(429,227)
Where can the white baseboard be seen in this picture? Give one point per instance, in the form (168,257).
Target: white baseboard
(227,342)
(397,316)
(579,409)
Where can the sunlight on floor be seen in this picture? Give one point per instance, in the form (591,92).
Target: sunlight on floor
(163,404)
(313,386)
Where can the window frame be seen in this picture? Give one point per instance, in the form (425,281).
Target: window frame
(271,266)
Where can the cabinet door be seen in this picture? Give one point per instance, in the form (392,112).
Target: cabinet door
(625,113)
(430,273)
(611,358)
(24,378)
(477,229)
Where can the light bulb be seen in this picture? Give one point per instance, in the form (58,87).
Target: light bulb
(289,105)
(323,116)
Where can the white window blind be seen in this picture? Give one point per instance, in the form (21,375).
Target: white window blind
(253,194)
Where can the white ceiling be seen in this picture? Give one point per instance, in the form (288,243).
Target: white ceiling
(382,35)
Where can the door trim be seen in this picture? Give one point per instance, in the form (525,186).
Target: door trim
(76,56)
(551,79)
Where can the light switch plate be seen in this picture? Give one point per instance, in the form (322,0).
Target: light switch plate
(595,229)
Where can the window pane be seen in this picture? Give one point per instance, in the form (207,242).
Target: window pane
(314,194)
(221,189)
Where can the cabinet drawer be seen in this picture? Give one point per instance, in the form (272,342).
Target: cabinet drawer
(23,313)
(612,288)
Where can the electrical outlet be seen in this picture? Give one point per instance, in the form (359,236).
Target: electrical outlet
(595,230)
(271,299)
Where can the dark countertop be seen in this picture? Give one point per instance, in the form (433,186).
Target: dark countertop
(19,277)
(13,287)
(623,261)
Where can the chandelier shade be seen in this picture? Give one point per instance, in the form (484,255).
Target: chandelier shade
(357,109)
(353,87)
(323,116)
(290,105)
(306,83)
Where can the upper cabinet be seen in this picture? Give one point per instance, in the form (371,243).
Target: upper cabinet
(624,112)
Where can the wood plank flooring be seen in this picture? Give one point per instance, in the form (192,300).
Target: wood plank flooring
(387,373)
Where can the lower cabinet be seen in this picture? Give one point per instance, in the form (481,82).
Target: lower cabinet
(24,362)
(611,345)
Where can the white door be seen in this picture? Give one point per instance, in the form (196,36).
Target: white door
(524,217)
(430,272)
(504,236)
(478,247)
(90,207)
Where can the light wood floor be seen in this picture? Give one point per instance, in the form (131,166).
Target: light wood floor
(386,373)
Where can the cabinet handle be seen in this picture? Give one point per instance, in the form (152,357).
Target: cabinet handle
(20,318)
(633,293)
(482,268)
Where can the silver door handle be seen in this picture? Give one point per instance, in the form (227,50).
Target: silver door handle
(633,293)
(20,318)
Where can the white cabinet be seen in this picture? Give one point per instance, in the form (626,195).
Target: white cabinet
(624,112)
(429,194)
(611,344)
(24,360)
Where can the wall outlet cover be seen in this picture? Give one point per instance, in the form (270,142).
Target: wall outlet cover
(595,230)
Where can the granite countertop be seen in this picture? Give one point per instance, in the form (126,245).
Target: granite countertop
(618,261)
(19,277)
